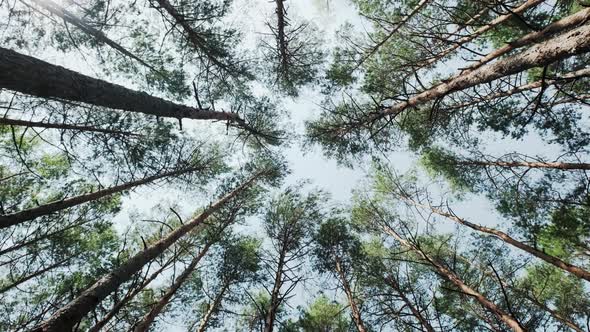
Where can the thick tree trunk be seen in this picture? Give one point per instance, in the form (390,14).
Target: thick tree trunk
(66,317)
(68,17)
(63,126)
(423,321)
(454,279)
(281,39)
(566,23)
(575,270)
(356,313)
(552,165)
(211,309)
(574,42)
(35,77)
(16,218)
(144,324)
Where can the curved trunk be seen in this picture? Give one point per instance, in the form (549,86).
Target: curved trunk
(66,317)
(16,218)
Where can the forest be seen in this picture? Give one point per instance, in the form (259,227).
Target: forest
(294,165)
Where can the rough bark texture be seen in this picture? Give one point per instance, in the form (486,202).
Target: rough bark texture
(35,124)
(575,270)
(66,317)
(144,324)
(16,218)
(35,77)
(574,42)
(453,278)
(281,39)
(356,313)
(423,321)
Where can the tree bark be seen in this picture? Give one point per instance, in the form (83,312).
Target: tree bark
(211,309)
(576,41)
(64,126)
(68,17)
(423,321)
(505,163)
(356,313)
(144,324)
(275,301)
(35,77)
(16,218)
(454,279)
(281,39)
(575,270)
(65,318)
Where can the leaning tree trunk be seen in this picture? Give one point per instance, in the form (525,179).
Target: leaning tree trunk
(65,318)
(35,77)
(576,41)
(68,17)
(144,324)
(390,280)
(64,126)
(211,309)
(16,218)
(356,313)
(529,164)
(575,270)
(457,281)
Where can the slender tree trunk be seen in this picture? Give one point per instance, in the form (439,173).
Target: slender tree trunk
(574,42)
(505,163)
(119,305)
(575,270)
(456,280)
(356,313)
(35,77)
(64,126)
(483,29)
(144,324)
(16,218)
(275,300)
(66,317)
(423,321)
(33,275)
(211,309)
(198,41)
(59,11)
(281,39)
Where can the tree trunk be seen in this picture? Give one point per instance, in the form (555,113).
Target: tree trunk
(65,318)
(574,42)
(575,270)
(144,324)
(552,165)
(64,126)
(16,218)
(211,309)
(453,278)
(68,17)
(119,305)
(281,39)
(356,313)
(34,274)
(35,77)
(275,301)
(423,321)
